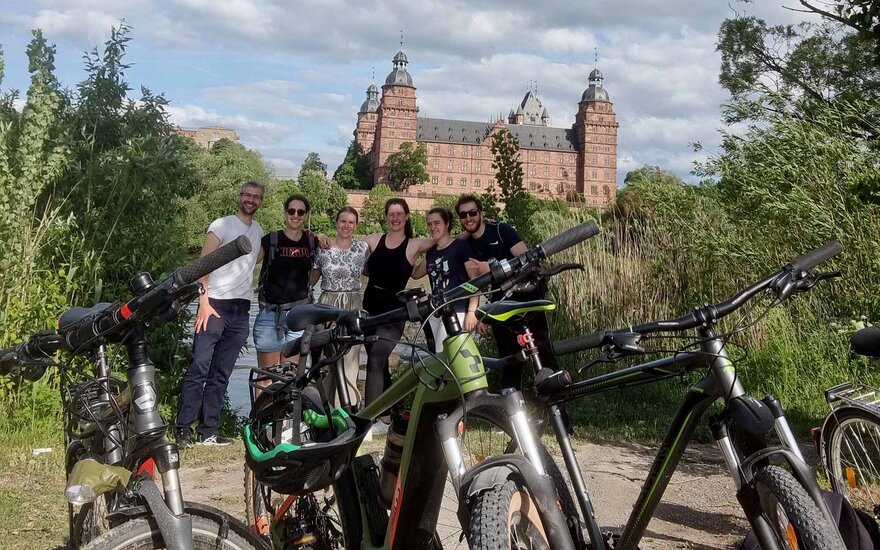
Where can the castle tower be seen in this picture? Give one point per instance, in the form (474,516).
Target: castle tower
(365,131)
(397,115)
(596,128)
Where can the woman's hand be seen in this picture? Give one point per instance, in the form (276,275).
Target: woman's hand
(470,321)
(203,314)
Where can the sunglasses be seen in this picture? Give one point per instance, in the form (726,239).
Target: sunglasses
(296,212)
(473,213)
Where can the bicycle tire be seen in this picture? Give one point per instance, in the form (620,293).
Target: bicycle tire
(487,434)
(505,517)
(143,533)
(851,455)
(89,522)
(795,520)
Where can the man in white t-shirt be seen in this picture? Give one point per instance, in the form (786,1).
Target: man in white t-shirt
(221,326)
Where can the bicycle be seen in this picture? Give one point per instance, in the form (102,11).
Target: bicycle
(499,497)
(850,435)
(785,509)
(115,436)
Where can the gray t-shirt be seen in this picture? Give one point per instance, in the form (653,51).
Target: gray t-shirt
(235,279)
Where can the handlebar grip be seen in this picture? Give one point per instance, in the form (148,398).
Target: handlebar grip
(197,269)
(815,257)
(569,238)
(319,338)
(579,343)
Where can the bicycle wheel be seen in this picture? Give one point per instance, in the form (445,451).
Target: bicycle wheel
(504,518)
(143,533)
(851,454)
(312,518)
(794,518)
(486,434)
(89,522)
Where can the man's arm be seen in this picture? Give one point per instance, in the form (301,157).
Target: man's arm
(518,248)
(205,311)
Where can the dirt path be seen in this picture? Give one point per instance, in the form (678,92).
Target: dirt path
(699,510)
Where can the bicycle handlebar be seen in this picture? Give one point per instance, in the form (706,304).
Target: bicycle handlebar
(781,282)
(502,273)
(108,322)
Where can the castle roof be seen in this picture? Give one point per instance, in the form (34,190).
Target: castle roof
(399,76)
(595,92)
(371,104)
(532,109)
(472,133)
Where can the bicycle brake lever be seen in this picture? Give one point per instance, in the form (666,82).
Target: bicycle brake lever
(810,282)
(557,269)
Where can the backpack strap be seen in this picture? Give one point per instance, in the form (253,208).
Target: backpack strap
(270,257)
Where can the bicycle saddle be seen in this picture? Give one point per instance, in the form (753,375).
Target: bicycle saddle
(300,317)
(499,313)
(866,341)
(74,315)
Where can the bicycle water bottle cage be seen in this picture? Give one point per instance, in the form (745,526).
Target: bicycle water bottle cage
(750,414)
(505,311)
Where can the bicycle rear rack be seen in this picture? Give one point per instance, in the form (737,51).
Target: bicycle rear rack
(859,395)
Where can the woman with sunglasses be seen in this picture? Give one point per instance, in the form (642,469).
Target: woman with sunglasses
(339,267)
(445,265)
(284,280)
(392,257)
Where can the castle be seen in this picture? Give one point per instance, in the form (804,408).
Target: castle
(557,162)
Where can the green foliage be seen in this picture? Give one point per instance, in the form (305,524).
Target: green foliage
(406,167)
(312,163)
(518,204)
(314,185)
(490,203)
(373,212)
(337,198)
(217,177)
(354,172)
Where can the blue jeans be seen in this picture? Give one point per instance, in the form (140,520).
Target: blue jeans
(214,353)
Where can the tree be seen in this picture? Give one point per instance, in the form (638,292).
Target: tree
(354,172)
(373,212)
(312,162)
(406,167)
(337,198)
(518,204)
(794,68)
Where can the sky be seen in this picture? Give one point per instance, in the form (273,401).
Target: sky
(290,75)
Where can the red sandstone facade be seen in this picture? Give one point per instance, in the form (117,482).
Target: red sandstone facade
(557,162)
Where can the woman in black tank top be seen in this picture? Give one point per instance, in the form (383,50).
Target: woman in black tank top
(392,256)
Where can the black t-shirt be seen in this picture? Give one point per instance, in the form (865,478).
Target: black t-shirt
(445,267)
(497,240)
(287,279)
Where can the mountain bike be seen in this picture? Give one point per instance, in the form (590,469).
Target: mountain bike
(782,504)
(850,436)
(499,499)
(114,433)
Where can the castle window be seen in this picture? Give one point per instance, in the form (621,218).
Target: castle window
(436,164)
(464,167)
(532,171)
(607,175)
(478,166)
(595,160)
(533,156)
(546,157)
(559,173)
(448,181)
(464,182)
(594,190)
(607,190)
(434,180)
(561,158)
(546,171)
(478,152)
(451,150)
(491,183)
(477,182)
(464,152)
(436,150)
(532,186)
(450,165)
(593,175)
(607,161)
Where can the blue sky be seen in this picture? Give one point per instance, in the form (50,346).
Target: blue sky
(289,75)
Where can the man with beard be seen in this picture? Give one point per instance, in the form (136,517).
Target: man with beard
(500,241)
(221,326)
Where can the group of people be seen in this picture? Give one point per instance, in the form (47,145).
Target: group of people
(294,259)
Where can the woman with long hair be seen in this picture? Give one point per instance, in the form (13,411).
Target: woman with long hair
(444,264)
(392,257)
(339,268)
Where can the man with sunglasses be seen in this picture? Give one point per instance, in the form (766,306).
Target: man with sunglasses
(500,241)
(221,325)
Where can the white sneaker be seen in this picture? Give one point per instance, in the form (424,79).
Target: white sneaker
(215,441)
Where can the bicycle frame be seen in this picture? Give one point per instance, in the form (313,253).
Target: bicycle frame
(719,383)
(431,448)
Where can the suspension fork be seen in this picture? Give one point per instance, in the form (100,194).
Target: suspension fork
(113,441)
(560,430)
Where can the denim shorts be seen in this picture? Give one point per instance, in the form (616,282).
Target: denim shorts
(268,337)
